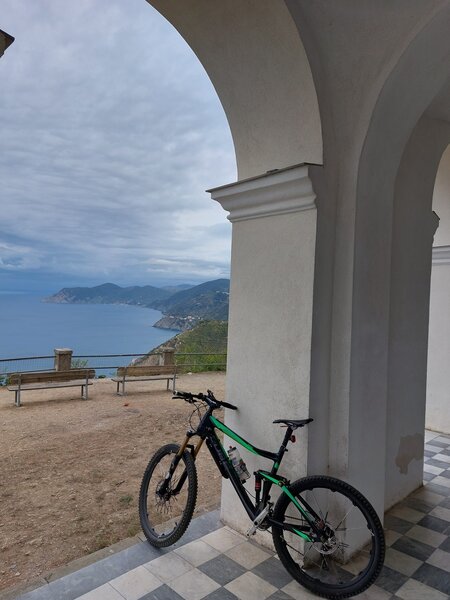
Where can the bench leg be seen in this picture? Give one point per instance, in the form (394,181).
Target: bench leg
(17,397)
(173,386)
(122,383)
(84,392)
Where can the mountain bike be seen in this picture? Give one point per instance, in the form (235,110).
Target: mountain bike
(326,533)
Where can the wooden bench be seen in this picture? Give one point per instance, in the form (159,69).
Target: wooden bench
(18,382)
(144,373)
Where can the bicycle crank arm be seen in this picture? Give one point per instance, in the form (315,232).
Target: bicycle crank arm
(257,522)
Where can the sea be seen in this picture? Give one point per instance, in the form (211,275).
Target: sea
(31,327)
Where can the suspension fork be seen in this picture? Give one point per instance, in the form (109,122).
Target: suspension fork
(194,451)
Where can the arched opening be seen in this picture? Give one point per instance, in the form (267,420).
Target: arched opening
(105,156)
(393,267)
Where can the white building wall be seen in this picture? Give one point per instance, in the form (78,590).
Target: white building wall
(438,384)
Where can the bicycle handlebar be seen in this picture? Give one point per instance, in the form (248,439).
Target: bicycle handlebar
(208,398)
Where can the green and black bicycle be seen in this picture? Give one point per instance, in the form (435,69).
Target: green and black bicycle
(326,533)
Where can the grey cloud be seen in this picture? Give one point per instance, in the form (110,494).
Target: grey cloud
(110,134)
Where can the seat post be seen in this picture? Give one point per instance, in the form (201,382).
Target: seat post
(287,436)
(283,447)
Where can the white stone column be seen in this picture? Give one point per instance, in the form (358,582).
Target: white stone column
(271,297)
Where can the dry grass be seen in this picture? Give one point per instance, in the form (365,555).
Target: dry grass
(70,470)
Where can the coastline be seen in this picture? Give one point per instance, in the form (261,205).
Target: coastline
(86,328)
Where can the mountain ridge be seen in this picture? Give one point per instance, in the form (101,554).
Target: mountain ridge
(183,306)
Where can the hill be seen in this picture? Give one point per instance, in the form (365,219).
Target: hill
(183,306)
(202,348)
(205,301)
(110,293)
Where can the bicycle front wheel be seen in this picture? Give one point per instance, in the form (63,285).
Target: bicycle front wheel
(345,554)
(167,496)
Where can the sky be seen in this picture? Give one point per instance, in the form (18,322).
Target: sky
(110,133)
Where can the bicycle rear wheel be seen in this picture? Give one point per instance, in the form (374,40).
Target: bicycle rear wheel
(167,500)
(348,556)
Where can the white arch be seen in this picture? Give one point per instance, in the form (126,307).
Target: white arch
(393,237)
(255,59)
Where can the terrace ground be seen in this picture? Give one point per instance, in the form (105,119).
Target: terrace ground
(70,474)
(70,470)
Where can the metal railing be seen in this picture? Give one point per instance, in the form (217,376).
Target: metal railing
(26,364)
(106,364)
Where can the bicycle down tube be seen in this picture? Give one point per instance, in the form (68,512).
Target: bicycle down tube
(221,459)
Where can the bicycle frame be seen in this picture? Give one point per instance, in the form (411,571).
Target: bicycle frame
(207,432)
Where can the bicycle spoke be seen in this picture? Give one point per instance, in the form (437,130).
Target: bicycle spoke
(344,517)
(318,505)
(342,557)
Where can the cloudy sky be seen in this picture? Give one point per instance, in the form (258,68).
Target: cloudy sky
(110,133)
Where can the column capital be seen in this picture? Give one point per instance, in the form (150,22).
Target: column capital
(275,193)
(441,255)
(5,41)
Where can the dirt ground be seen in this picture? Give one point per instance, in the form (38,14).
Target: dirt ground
(70,470)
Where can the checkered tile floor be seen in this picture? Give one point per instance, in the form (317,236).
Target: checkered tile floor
(212,562)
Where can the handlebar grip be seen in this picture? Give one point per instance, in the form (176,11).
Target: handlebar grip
(182,395)
(227,405)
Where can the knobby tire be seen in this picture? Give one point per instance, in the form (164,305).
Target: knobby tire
(153,509)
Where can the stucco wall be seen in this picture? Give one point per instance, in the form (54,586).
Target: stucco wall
(438,387)
(266,378)
(438,384)
(413,227)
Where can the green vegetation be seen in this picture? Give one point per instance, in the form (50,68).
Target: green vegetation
(79,363)
(126,499)
(205,301)
(202,348)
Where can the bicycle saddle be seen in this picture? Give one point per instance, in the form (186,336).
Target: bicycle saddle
(294,424)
